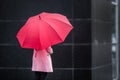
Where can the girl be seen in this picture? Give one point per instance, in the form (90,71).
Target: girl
(42,63)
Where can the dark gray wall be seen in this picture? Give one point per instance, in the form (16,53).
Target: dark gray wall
(102,27)
(119,39)
(85,54)
(71,60)
(82,39)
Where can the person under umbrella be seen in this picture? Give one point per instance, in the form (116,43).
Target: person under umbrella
(42,63)
(40,32)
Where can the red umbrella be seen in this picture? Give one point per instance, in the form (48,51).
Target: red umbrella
(43,30)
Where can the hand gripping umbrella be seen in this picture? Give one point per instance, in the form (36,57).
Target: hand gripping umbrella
(44,30)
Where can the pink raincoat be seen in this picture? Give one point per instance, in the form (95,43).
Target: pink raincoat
(42,60)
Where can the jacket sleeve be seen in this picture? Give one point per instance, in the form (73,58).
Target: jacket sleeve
(49,50)
(34,52)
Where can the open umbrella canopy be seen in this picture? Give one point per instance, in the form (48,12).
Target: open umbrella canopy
(44,30)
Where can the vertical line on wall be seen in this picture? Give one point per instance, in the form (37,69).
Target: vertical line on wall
(117,37)
(73,41)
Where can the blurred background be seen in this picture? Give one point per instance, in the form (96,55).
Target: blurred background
(90,52)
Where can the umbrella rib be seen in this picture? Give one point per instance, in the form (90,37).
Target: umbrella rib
(58,19)
(61,21)
(39,37)
(53,29)
(25,37)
